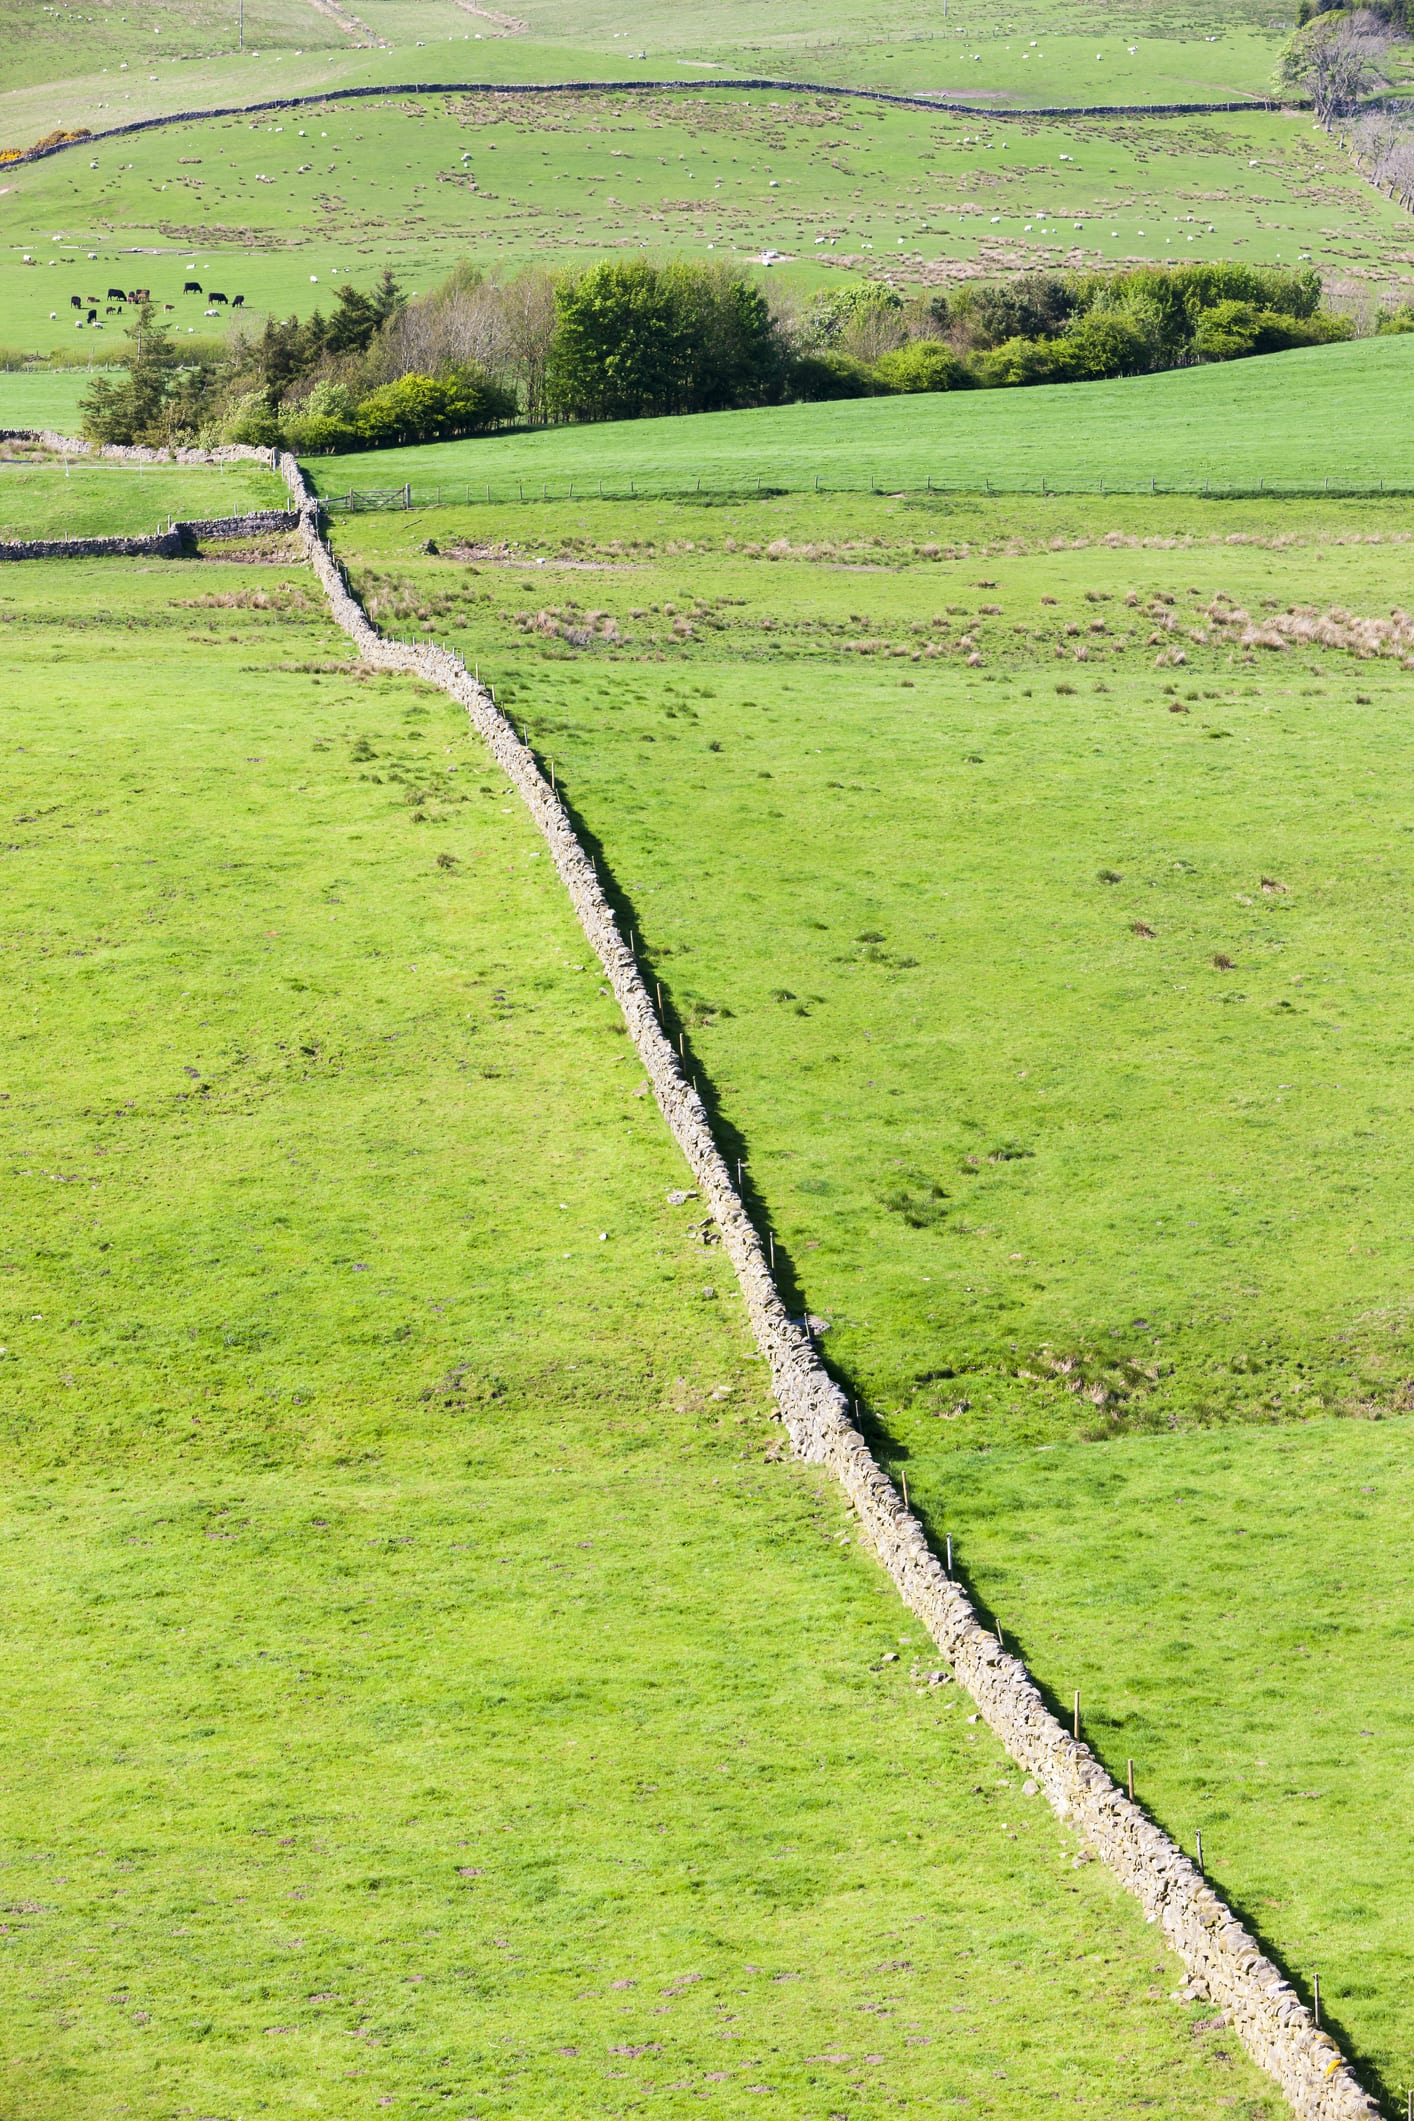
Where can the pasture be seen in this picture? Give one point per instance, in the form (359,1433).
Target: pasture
(282,208)
(1329,412)
(432,1689)
(429,1688)
(42,500)
(43,397)
(1037,54)
(1026,879)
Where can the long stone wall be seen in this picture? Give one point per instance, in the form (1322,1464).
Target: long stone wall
(1222,1959)
(629,88)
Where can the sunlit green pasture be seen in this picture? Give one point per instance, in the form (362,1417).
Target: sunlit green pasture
(427,1685)
(1329,412)
(1044,947)
(41,397)
(281,209)
(1037,54)
(1235,1611)
(101,500)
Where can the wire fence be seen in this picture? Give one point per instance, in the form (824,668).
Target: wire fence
(491,492)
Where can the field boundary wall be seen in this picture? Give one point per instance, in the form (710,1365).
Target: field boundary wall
(177,542)
(137,452)
(940,103)
(1223,1961)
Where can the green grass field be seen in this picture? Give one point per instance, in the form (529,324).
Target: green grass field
(42,398)
(105,500)
(1037,54)
(1329,412)
(428,1686)
(1235,1610)
(280,209)
(1043,945)
(1027,879)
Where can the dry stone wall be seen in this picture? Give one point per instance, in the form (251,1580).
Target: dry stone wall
(172,544)
(1223,1961)
(169,544)
(735,84)
(257,524)
(163,544)
(136,452)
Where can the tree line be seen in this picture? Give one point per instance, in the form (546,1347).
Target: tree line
(637,338)
(1346,57)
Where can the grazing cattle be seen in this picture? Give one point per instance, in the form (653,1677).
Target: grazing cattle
(169,305)
(191,287)
(214,297)
(76,301)
(238,301)
(92,317)
(115,294)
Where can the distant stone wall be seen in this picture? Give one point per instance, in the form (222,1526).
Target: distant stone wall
(630,88)
(1222,1959)
(137,453)
(171,544)
(164,544)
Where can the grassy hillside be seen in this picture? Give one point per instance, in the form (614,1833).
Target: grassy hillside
(281,208)
(1042,942)
(106,500)
(1039,54)
(460,53)
(429,1687)
(1328,412)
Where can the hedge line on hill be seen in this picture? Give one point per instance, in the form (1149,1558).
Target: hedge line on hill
(636,338)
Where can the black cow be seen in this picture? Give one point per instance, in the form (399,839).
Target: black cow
(169,305)
(115,294)
(214,297)
(76,301)
(191,287)
(92,317)
(238,301)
